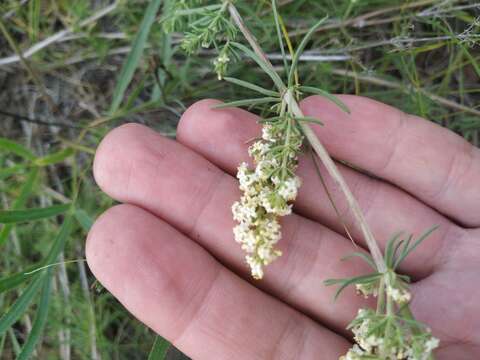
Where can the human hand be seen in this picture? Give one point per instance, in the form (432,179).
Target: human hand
(169,256)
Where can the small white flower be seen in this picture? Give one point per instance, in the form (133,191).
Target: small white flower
(431,344)
(275,180)
(399,295)
(245,210)
(258,149)
(255,266)
(267,133)
(289,188)
(221,59)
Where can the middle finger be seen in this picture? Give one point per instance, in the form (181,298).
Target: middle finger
(138,166)
(221,135)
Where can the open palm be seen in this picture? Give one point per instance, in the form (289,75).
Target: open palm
(169,256)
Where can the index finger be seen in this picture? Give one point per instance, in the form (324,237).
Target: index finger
(429,161)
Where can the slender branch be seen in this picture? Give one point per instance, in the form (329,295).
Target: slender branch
(237,18)
(406,89)
(312,57)
(317,146)
(360,21)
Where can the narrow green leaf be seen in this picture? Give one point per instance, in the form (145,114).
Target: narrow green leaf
(134,94)
(15,216)
(159,349)
(14,341)
(309,119)
(265,67)
(54,158)
(2,342)
(193,11)
(389,249)
(25,191)
(271,120)
(12,170)
(414,246)
(60,240)
(246,102)
(10,282)
(20,305)
(133,59)
(40,319)
(300,49)
(17,149)
(83,219)
(367,257)
(327,95)
(253,87)
(406,245)
(34,8)
(279,35)
(362,279)
(330,282)
(398,245)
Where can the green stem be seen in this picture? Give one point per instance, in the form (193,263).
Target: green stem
(381,296)
(316,144)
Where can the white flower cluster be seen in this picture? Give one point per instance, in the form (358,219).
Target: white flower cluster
(369,331)
(400,296)
(220,64)
(366,290)
(268,191)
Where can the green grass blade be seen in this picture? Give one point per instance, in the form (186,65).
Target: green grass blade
(17,149)
(10,282)
(327,95)
(269,71)
(40,319)
(83,219)
(12,170)
(14,341)
(60,240)
(300,49)
(54,158)
(25,191)
(2,342)
(251,86)
(279,35)
(133,59)
(159,349)
(16,216)
(246,102)
(21,304)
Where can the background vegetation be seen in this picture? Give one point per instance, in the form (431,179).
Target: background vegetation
(72,70)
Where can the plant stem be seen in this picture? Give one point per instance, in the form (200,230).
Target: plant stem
(316,145)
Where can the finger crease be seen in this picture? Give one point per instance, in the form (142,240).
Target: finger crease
(395,136)
(206,199)
(200,304)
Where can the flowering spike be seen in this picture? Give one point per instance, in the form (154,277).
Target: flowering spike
(268,191)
